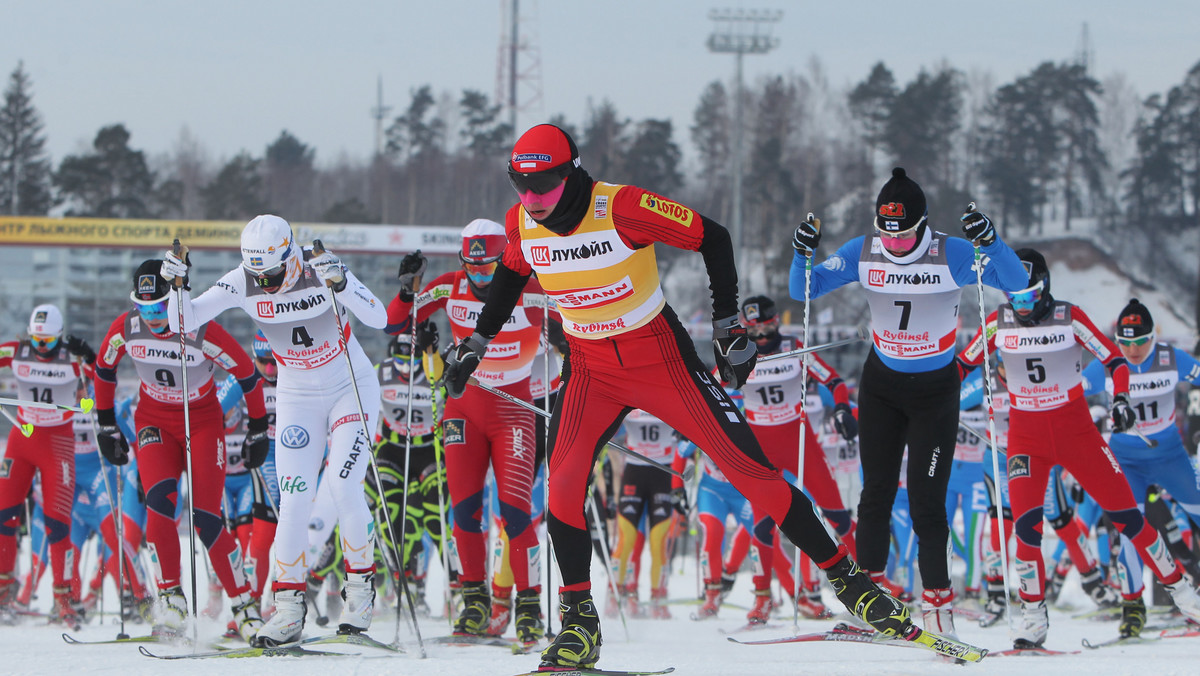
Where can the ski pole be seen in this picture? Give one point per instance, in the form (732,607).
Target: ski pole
(318,248)
(987,402)
(530,407)
(860,333)
(181,253)
(85,405)
(612,582)
(440,483)
(1142,435)
(798,584)
(26,428)
(402,564)
(546,475)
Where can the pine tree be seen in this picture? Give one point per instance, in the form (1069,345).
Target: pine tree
(24,164)
(111,182)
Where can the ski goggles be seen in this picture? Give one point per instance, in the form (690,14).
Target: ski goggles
(540,182)
(1135,342)
(762,329)
(1025,299)
(268,278)
(43,342)
(153,310)
(480,273)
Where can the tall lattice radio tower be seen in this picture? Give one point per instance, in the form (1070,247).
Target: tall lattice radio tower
(519,62)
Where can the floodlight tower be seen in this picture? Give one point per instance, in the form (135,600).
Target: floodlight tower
(741,32)
(518,63)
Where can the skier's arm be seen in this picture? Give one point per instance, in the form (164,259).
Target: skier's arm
(112,349)
(7,350)
(827,376)
(224,351)
(431,299)
(1090,337)
(226,293)
(1003,270)
(1093,378)
(1187,366)
(508,282)
(358,299)
(972,354)
(836,271)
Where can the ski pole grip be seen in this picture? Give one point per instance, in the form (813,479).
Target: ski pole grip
(317,247)
(180,252)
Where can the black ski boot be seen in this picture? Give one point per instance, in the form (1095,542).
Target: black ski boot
(996,605)
(1104,595)
(1133,618)
(476,612)
(530,628)
(577,645)
(867,601)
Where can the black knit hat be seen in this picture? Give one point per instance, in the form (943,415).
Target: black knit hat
(758,309)
(1134,321)
(900,205)
(148,285)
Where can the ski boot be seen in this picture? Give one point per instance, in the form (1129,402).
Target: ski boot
(1184,595)
(937,611)
(417,587)
(477,606)
(760,613)
(577,645)
(1133,617)
(8,600)
(996,603)
(727,580)
(866,601)
(712,601)
(1054,583)
(286,625)
(658,604)
(246,618)
(1104,595)
(530,628)
(810,604)
(66,609)
(358,602)
(170,613)
(1032,627)
(633,607)
(501,615)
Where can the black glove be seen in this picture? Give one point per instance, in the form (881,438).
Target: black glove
(79,347)
(412,267)
(807,236)
(427,337)
(844,421)
(112,443)
(679,500)
(1123,417)
(461,362)
(257,443)
(978,228)
(734,351)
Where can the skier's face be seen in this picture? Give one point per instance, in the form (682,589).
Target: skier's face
(1136,349)
(898,243)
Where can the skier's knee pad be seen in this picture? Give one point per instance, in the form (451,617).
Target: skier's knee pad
(1026,527)
(466,513)
(56,530)
(158,498)
(516,520)
(208,527)
(840,518)
(1128,521)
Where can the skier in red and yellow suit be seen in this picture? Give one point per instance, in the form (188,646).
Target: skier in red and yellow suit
(591,245)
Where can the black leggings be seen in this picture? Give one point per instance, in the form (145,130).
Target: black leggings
(919,410)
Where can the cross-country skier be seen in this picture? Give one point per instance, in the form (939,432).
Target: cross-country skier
(42,364)
(162,447)
(481,428)
(1041,341)
(908,393)
(283,289)
(1155,370)
(591,244)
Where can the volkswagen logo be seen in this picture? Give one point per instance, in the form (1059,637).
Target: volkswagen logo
(294,436)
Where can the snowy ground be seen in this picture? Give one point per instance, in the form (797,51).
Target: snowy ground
(693,648)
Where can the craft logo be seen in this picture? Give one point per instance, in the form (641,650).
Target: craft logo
(892,210)
(293,436)
(266,308)
(876,277)
(541,255)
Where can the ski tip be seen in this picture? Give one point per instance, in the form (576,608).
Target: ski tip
(69,638)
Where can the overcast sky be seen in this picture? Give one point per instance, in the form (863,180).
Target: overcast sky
(237,72)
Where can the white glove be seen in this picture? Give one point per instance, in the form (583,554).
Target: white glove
(330,269)
(173,267)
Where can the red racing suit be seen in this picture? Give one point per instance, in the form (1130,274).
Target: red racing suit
(161,437)
(50,450)
(480,427)
(1049,424)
